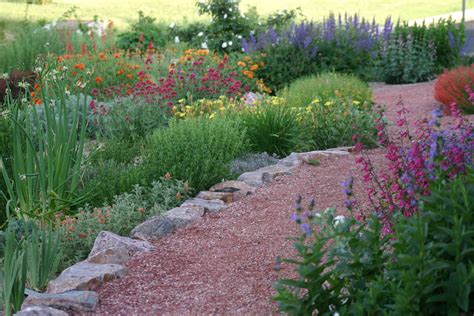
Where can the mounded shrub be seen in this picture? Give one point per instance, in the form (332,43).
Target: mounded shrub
(451,87)
(327,86)
(197,150)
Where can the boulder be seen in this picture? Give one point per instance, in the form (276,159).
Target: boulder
(40,311)
(154,228)
(210,206)
(184,215)
(292,161)
(226,197)
(114,255)
(275,171)
(239,189)
(73,301)
(85,276)
(255,178)
(112,248)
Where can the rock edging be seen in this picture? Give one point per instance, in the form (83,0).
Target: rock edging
(73,289)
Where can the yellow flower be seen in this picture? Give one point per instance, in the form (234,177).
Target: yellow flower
(182,114)
(328,103)
(356,102)
(212,116)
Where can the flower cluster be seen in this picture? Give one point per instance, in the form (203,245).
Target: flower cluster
(417,162)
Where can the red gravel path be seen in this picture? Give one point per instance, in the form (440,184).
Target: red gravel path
(224,264)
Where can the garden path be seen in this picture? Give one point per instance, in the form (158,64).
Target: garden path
(225,263)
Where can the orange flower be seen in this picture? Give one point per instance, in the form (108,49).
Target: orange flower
(79,66)
(73,73)
(248,74)
(202,52)
(60,59)
(33,94)
(136,66)
(254,67)
(129,76)
(102,56)
(241,64)
(37,101)
(98,80)
(117,55)
(120,72)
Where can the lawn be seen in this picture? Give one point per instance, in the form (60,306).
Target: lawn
(124,12)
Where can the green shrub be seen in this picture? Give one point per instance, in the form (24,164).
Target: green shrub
(78,233)
(105,179)
(338,122)
(198,150)
(143,33)
(284,63)
(446,36)
(274,127)
(327,86)
(131,119)
(405,60)
(120,151)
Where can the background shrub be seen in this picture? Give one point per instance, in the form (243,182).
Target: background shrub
(325,87)
(197,150)
(274,127)
(6,155)
(406,60)
(451,87)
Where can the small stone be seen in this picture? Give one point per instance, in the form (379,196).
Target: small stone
(153,229)
(210,206)
(73,301)
(123,248)
(254,179)
(226,197)
(185,215)
(238,189)
(40,311)
(85,276)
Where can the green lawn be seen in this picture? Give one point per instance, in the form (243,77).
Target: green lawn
(124,12)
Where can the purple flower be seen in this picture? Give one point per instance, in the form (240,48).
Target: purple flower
(306,229)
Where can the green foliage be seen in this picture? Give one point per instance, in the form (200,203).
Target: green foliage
(339,122)
(5,154)
(142,33)
(274,128)
(127,210)
(446,36)
(424,267)
(131,119)
(43,252)
(284,63)
(405,60)
(325,87)
(46,158)
(198,150)
(105,179)
(13,273)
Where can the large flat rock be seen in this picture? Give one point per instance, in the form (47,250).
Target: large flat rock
(153,229)
(210,206)
(84,276)
(73,301)
(184,215)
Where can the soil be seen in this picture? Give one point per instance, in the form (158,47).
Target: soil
(225,263)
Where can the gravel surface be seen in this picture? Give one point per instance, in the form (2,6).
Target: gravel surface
(224,264)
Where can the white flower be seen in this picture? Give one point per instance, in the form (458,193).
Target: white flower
(200,33)
(172,25)
(230,43)
(224,45)
(4,76)
(225,16)
(239,36)
(204,45)
(23,84)
(22,177)
(24,100)
(176,39)
(339,220)
(79,32)
(230,9)
(38,69)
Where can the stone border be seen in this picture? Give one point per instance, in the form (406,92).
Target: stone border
(73,290)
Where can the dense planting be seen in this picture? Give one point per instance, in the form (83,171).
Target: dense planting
(101,131)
